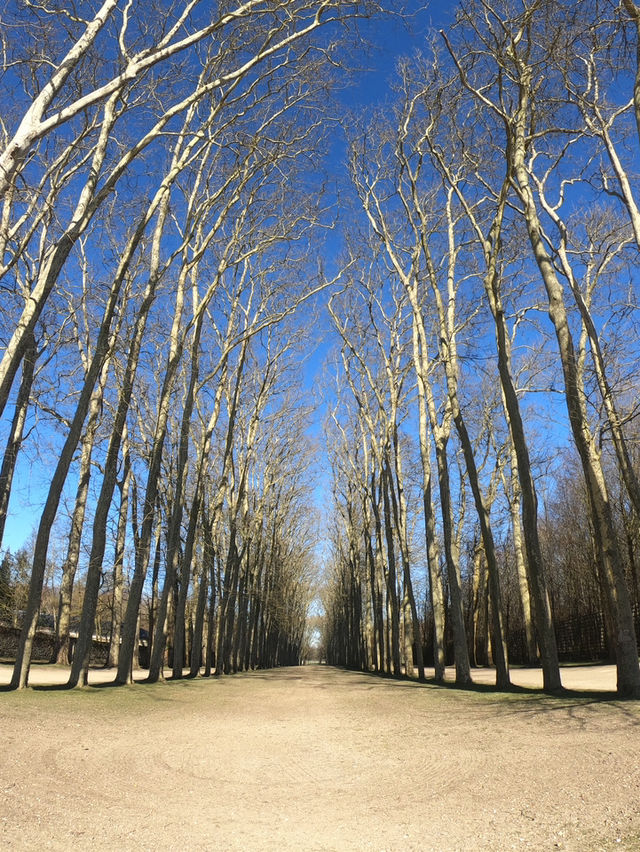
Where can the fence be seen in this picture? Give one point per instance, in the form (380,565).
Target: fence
(43,644)
(579,639)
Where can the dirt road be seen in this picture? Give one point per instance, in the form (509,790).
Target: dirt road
(316,759)
(588,677)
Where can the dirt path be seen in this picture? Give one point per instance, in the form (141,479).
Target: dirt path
(589,677)
(316,759)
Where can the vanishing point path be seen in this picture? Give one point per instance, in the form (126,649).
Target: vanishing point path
(316,758)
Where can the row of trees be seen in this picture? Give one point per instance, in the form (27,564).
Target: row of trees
(497,204)
(158,213)
(162,204)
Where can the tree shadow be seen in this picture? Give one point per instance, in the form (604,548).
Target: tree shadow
(516,700)
(521,700)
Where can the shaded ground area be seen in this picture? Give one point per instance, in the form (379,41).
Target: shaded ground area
(317,759)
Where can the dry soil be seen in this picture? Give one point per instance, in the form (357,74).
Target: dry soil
(317,759)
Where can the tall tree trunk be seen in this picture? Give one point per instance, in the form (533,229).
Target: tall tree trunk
(62,645)
(382,576)
(399,507)
(142,550)
(227,601)
(521,563)
(209,560)
(376,601)
(499,642)
(240,639)
(65,459)
(491,247)
(628,670)
(456,610)
(534,563)
(441,433)
(392,590)
(79,667)
(179,644)
(474,615)
(197,657)
(17,429)
(175,524)
(118,563)
(436,595)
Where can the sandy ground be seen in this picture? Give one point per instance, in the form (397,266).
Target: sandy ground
(581,677)
(317,759)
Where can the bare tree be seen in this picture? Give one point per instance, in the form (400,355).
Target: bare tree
(510,89)
(408,236)
(72,104)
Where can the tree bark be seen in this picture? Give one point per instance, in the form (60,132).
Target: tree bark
(628,670)
(16,433)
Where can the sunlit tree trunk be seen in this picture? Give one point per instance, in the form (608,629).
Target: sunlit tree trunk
(436,594)
(23,657)
(118,562)
(628,670)
(513,493)
(17,430)
(62,643)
